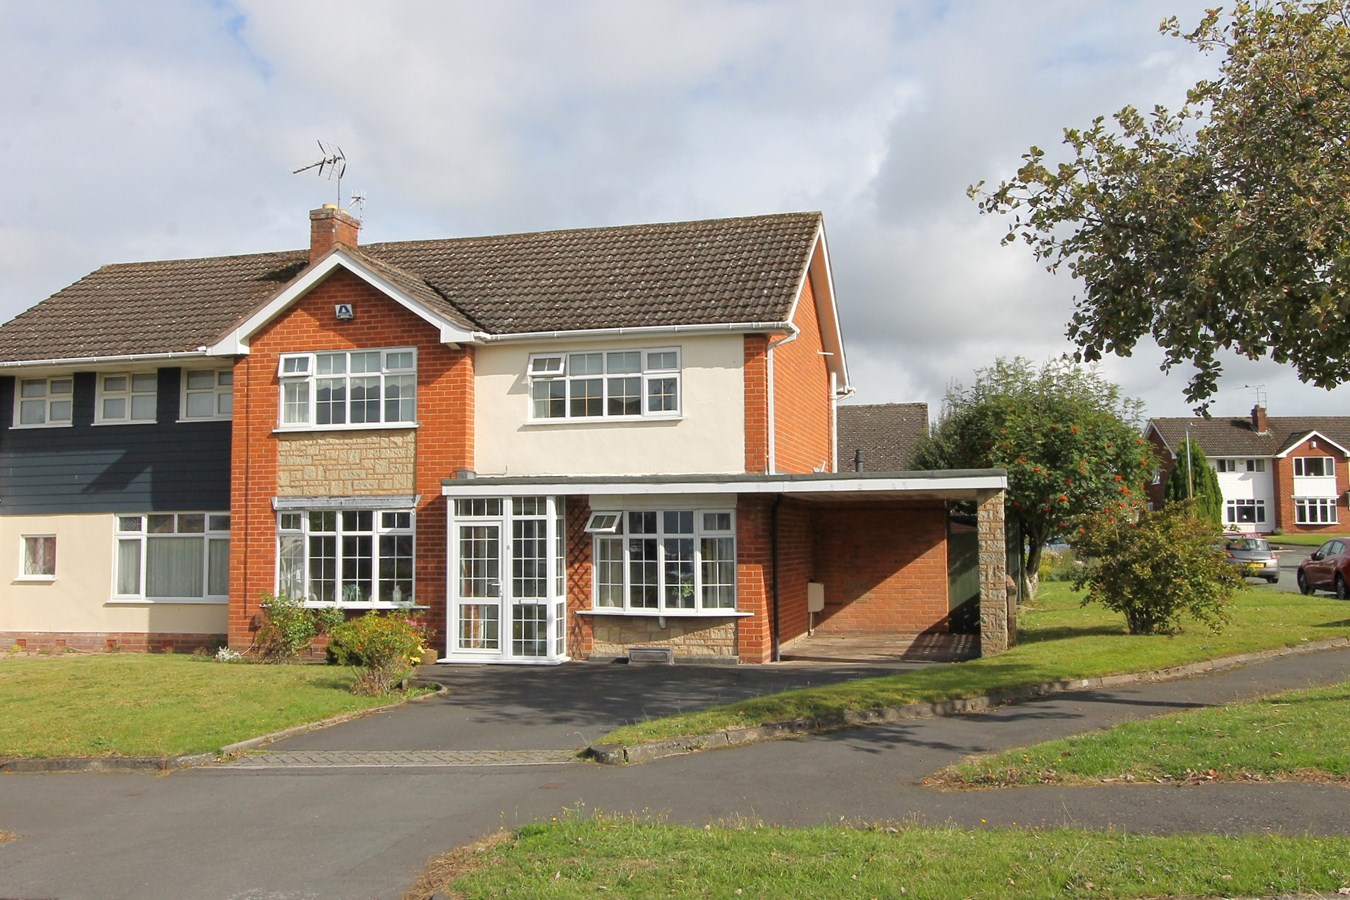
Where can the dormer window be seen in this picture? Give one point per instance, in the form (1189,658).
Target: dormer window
(348,388)
(615,384)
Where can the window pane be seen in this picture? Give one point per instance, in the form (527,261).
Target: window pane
(529,558)
(624,362)
(200,379)
(218,568)
(291,553)
(678,522)
(295,403)
(61,386)
(114,382)
(663,361)
(330,405)
(396,568)
(144,382)
(323,569)
(625,396)
(32,412)
(33,388)
(358,568)
(39,555)
(224,404)
(60,411)
(143,408)
(679,569)
(365,405)
(129,568)
(718,572)
(586,397)
(364,362)
(643,573)
(161,523)
(191,523)
(609,572)
(662,395)
(549,399)
(201,405)
(173,567)
(586,364)
(114,408)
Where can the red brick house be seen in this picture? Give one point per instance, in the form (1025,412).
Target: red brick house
(559,445)
(1285,473)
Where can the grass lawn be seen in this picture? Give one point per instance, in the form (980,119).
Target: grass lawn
(1059,640)
(1298,734)
(1301,540)
(619,857)
(155,705)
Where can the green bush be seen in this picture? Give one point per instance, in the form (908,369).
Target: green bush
(1058,565)
(386,646)
(1157,568)
(288,627)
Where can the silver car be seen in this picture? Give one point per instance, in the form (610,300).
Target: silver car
(1253,557)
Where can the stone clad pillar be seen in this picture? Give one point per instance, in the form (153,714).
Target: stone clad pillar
(997,616)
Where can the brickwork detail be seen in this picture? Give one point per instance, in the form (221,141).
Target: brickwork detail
(690,637)
(998,615)
(110,641)
(1283,481)
(338,464)
(801,395)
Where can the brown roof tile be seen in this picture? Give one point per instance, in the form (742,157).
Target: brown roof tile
(715,271)
(1236,437)
(886,433)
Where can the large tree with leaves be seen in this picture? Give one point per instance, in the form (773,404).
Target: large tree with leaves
(1222,226)
(1069,442)
(1193,479)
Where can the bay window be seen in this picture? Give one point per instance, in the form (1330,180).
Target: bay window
(665,562)
(346,557)
(1315,510)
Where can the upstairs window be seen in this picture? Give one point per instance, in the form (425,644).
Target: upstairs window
(126,397)
(44,401)
(1225,465)
(1256,465)
(208,394)
(1314,467)
(348,388)
(617,384)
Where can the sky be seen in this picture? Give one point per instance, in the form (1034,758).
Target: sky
(160,129)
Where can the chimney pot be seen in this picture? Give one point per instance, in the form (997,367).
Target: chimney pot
(330,227)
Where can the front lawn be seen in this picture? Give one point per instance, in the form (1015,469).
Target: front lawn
(1301,540)
(622,858)
(1298,734)
(122,704)
(1059,640)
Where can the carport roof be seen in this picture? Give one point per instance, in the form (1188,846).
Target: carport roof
(956,484)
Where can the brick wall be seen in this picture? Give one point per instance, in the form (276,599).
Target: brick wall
(109,641)
(1166,464)
(443,440)
(801,395)
(754,573)
(1283,479)
(756,404)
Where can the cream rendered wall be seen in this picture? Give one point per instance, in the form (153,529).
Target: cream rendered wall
(708,438)
(78,600)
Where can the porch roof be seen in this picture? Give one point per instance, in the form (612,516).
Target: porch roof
(955,484)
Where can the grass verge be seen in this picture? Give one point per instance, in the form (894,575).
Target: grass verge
(621,857)
(1059,640)
(1297,734)
(1301,540)
(152,705)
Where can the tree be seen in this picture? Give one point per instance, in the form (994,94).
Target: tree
(1069,443)
(1222,226)
(1193,479)
(1156,568)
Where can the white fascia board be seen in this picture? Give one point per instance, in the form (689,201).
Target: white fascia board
(236,342)
(654,331)
(84,361)
(827,311)
(915,484)
(1307,437)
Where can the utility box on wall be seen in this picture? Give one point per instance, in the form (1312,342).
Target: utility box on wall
(815,597)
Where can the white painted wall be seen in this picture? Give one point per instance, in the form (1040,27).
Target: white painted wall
(708,438)
(78,599)
(1244,485)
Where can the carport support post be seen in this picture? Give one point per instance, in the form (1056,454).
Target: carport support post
(997,625)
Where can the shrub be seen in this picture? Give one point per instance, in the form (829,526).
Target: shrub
(1058,565)
(288,627)
(1157,568)
(386,646)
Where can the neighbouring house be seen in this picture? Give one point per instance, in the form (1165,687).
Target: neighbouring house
(881,437)
(558,445)
(1286,473)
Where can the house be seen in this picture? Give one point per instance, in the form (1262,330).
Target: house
(560,445)
(1286,473)
(881,437)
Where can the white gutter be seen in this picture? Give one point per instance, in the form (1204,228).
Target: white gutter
(199,353)
(471,487)
(634,331)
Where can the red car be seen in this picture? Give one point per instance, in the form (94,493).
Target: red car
(1327,570)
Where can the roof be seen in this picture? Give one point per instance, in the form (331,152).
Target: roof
(886,433)
(709,272)
(1237,437)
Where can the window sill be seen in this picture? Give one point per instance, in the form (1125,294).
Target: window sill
(40,426)
(667,614)
(114,423)
(35,579)
(315,429)
(370,604)
(185,420)
(163,601)
(604,420)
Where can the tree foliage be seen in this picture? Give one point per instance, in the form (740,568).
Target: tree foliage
(1069,443)
(1222,226)
(1194,479)
(1155,569)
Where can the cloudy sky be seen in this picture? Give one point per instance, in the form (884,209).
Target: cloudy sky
(151,130)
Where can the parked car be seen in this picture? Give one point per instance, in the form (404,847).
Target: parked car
(1252,556)
(1327,570)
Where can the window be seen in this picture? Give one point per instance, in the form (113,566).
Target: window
(126,397)
(667,562)
(1245,512)
(44,401)
(347,557)
(348,389)
(173,556)
(1314,467)
(207,394)
(39,557)
(1225,465)
(1315,510)
(614,384)
(1256,465)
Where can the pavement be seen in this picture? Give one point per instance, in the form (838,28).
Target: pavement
(354,811)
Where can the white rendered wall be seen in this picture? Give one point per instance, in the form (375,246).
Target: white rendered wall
(709,437)
(1244,485)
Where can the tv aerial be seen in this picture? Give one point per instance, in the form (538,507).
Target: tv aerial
(333,161)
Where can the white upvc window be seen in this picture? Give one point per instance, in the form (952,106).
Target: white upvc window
(356,558)
(665,562)
(1314,467)
(1225,465)
(1256,465)
(613,384)
(38,552)
(173,556)
(348,388)
(1244,512)
(43,402)
(1315,510)
(207,394)
(126,397)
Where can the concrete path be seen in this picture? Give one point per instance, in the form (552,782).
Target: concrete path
(339,831)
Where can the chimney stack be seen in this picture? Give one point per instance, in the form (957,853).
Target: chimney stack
(329,227)
(1259,423)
